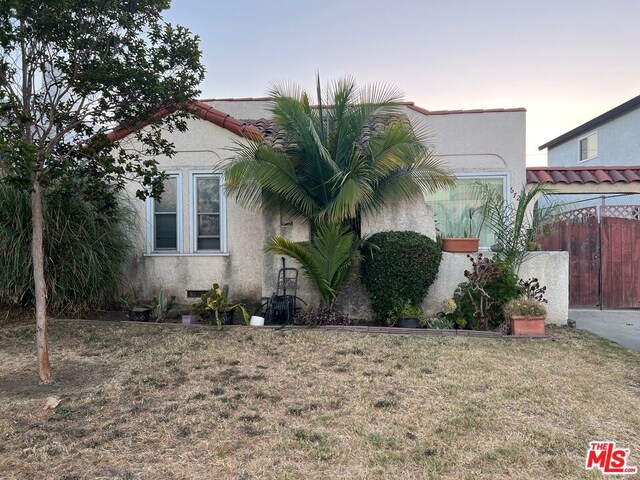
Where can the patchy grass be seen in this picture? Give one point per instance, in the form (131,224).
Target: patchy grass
(162,402)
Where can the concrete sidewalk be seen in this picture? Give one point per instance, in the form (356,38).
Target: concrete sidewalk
(621,326)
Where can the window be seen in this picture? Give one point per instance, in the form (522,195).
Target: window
(589,147)
(166,216)
(451,207)
(207,213)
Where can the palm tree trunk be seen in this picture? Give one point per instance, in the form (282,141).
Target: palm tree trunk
(37,253)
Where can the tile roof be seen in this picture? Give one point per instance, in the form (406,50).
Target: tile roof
(202,110)
(583,174)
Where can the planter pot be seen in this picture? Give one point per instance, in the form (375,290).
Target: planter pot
(460,245)
(408,322)
(189,319)
(527,326)
(140,314)
(256,321)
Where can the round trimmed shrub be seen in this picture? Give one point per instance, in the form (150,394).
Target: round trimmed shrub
(398,267)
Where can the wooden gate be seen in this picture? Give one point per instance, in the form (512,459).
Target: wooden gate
(604,255)
(620,246)
(577,232)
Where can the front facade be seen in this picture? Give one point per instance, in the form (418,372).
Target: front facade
(197,235)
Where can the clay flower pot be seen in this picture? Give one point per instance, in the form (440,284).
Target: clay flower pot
(460,245)
(527,326)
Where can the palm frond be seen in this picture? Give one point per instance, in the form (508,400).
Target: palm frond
(327,259)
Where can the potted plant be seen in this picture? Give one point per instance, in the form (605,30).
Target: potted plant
(215,304)
(462,236)
(190,318)
(408,315)
(526,316)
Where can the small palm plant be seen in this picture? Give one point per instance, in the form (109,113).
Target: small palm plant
(517,223)
(327,259)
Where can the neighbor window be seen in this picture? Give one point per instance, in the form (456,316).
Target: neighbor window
(451,207)
(207,213)
(589,147)
(165,216)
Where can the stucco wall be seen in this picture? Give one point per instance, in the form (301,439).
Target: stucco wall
(618,144)
(204,147)
(551,269)
(479,142)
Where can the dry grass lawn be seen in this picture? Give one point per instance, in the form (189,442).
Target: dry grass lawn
(159,402)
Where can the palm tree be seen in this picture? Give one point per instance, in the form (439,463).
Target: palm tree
(327,259)
(351,153)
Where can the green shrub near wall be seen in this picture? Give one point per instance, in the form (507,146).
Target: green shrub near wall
(398,267)
(86,250)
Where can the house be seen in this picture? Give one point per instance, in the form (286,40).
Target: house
(585,160)
(197,235)
(594,170)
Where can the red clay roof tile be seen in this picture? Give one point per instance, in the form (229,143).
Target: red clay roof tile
(202,110)
(583,174)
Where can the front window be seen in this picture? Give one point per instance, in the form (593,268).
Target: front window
(165,217)
(207,221)
(589,147)
(207,212)
(451,208)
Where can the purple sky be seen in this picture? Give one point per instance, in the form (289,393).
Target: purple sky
(565,61)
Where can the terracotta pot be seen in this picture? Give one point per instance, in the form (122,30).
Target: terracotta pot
(460,245)
(527,326)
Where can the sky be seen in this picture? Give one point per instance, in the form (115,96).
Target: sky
(564,61)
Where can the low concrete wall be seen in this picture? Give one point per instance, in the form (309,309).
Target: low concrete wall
(551,269)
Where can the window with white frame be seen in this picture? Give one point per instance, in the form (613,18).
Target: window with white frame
(207,213)
(166,217)
(451,207)
(589,147)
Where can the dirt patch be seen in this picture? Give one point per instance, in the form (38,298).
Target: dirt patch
(72,377)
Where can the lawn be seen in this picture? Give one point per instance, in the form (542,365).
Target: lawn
(162,402)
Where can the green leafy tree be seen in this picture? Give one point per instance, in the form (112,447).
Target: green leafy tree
(71,70)
(327,259)
(349,154)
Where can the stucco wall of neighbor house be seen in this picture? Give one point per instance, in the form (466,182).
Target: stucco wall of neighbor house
(618,145)
(479,142)
(550,268)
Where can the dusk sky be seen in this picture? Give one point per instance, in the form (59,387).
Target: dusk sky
(564,61)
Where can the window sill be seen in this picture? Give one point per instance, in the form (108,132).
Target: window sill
(175,254)
(587,159)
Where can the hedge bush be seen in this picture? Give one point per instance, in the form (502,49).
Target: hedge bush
(398,267)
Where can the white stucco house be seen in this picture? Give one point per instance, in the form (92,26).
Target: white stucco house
(197,235)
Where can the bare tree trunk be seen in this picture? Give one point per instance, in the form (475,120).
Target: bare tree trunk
(37,252)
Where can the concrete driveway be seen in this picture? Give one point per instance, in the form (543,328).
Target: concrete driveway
(621,326)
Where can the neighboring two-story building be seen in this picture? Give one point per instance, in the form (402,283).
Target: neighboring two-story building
(596,163)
